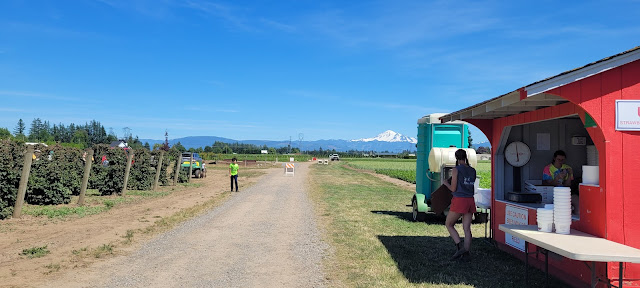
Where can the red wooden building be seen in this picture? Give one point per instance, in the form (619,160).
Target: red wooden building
(590,105)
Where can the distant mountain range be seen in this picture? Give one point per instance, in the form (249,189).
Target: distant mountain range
(389,136)
(482,144)
(385,141)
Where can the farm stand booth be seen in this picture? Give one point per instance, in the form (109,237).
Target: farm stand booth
(593,114)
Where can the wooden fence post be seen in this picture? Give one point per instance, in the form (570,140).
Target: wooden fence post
(190,167)
(177,172)
(155,184)
(24,179)
(126,172)
(88,160)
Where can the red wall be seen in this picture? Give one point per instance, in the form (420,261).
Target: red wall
(617,219)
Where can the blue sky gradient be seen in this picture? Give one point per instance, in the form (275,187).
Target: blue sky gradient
(274,69)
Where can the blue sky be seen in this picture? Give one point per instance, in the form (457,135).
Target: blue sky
(274,69)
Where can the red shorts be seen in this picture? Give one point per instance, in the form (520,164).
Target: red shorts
(463,205)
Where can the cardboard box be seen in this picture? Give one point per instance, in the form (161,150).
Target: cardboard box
(441,199)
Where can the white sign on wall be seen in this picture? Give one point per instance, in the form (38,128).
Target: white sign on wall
(516,216)
(628,115)
(543,141)
(264,151)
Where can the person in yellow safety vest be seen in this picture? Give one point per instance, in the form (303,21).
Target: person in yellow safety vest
(233,172)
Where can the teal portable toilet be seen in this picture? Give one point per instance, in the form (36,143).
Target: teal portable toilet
(433,134)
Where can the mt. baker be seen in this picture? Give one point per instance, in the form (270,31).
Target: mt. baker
(389,136)
(385,141)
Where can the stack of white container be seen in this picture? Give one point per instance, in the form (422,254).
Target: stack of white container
(562,209)
(593,159)
(545,219)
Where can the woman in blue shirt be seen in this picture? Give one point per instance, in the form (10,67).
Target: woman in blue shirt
(463,177)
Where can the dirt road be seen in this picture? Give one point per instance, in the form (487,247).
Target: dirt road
(264,236)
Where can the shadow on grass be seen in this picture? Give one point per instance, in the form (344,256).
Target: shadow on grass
(425,259)
(430,218)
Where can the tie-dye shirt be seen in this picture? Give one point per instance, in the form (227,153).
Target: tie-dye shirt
(550,172)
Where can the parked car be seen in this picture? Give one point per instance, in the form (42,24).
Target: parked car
(334,157)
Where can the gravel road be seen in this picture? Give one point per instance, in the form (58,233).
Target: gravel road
(264,236)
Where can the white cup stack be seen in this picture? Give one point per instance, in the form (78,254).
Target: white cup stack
(593,158)
(545,219)
(562,209)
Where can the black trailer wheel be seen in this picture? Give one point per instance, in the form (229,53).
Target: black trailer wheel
(197,173)
(417,215)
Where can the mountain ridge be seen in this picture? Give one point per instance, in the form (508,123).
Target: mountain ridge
(396,144)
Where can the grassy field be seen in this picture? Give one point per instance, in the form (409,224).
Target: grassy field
(405,169)
(258,157)
(375,243)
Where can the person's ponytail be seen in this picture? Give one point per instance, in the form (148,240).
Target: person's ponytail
(462,155)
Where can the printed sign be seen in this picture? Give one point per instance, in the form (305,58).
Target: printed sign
(264,151)
(516,216)
(628,115)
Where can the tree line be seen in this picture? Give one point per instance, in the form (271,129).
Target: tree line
(92,133)
(72,135)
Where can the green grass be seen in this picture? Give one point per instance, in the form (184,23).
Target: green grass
(484,173)
(258,157)
(405,175)
(105,249)
(35,252)
(128,237)
(95,204)
(405,169)
(409,165)
(61,212)
(375,244)
(52,268)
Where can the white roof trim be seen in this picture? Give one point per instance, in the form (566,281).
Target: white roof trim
(582,73)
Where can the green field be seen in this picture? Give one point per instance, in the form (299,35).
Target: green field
(405,169)
(258,157)
(375,244)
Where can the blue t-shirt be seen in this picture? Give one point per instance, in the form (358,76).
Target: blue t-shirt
(466,179)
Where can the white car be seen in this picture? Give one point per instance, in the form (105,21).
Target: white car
(334,157)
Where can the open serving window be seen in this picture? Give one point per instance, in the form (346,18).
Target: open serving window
(518,181)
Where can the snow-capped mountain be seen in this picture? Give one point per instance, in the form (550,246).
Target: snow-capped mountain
(386,141)
(389,136)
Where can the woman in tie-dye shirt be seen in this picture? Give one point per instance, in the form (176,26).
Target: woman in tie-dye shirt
(557,173)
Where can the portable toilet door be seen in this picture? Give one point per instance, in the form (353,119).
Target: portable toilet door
(433,134)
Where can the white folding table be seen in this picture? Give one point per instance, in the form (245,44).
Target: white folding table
(576,245)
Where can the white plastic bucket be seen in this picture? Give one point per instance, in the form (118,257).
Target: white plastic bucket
(545,226)
(590,175)
(563,228)
(483,197)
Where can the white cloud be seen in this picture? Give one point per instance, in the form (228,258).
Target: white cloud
(400,24)
(278,25)
(7,109)
(395,106)
(228,14)
(30,94)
